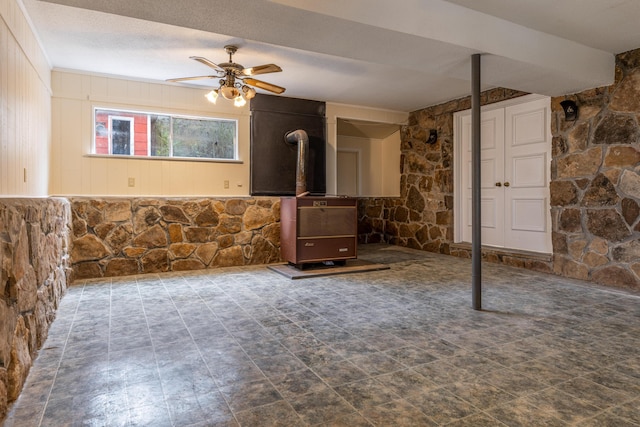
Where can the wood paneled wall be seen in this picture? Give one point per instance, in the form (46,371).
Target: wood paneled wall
(25,106)
(379,166)
(75,172)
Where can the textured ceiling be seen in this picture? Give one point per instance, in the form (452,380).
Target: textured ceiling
(402,55)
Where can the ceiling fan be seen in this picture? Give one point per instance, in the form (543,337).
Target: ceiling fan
(235,80)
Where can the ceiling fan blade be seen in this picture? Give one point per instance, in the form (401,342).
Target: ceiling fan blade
(206,62)
(264,85)
(182,79)
(261,69)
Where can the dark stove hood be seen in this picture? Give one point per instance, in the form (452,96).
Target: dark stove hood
(273,159)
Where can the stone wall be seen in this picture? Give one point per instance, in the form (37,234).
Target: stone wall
(124,236)
(33,277)
(422,217)
(595,188)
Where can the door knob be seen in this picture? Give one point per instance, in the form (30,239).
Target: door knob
(498,184)
(506,184)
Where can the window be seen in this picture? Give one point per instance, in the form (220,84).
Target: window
(141,134)
(121,135)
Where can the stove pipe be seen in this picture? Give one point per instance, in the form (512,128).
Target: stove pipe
(300,138)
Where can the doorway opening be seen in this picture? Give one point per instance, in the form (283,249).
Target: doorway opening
(367,158)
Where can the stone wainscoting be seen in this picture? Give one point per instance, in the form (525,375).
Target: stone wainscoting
(422,217)
(595,185)
(511,257)
(34,242)
(125,236)
(595,182)
(377,222)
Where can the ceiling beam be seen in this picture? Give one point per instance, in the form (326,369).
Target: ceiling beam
(404,34)
(516,56)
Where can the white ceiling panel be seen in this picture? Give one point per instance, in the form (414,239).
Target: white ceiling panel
(402,55)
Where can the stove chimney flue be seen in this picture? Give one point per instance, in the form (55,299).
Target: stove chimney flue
(301,139)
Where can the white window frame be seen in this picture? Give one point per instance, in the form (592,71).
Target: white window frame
(132,133)
(172,116)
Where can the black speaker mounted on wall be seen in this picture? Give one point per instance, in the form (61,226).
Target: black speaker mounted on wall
(570,110)
(433,136)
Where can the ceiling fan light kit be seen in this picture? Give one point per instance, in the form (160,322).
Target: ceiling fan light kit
(229,92)
(212,96)
(248,92)
(239,101)
(234,83)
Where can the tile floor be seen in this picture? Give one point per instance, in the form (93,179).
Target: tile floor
(401,347)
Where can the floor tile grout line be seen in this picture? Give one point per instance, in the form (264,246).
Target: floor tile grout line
(155,356)
(567,321)
(332,387)
(110,352)
(250,358)
(269,379)
(600,410)
(199,351)
(583,375)
(554,387)
(471,350)
(64,349)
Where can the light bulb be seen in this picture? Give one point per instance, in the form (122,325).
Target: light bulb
(249,92)
(239,101)
(212,96)
(229,92)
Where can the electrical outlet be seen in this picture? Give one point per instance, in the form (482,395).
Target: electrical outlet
(132,182)
(226,183)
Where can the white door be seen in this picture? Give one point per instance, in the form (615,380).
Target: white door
(516,160)
(492,170)
(527,171)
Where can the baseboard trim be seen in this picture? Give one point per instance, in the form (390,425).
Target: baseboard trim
(516,253)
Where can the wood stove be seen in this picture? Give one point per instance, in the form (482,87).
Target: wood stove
(318,229)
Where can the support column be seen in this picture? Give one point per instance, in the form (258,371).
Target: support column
(476,177)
